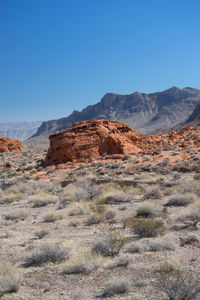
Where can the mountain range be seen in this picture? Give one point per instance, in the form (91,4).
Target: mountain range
(152,113)
(19,130)
(147,113)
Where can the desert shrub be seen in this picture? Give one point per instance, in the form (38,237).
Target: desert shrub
(91,221)
(17,215)
(178,282)
(117,286)
(98,208)
(190,219)
(153,193)
(86,190)
(115,197)
(126,157)
(77,209)
(190,186)
(7,200)
(192,136)
(167,242)
(82,264)
(109,216)
(10,197)
(197,177)
(34,187)
(112,243)
(120,261)
(176,176)
(147,227)
(116,241)
(52,216)
(42,233)
(73,224)
(101,248)
(46,253)
(147,210)
(66,200)
(39,200)
(10,278)
(189,239)
(181,200)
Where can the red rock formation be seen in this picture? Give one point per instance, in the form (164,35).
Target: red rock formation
(89,139)
(93,139)
(9,145)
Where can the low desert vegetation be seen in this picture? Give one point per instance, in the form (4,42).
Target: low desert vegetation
(117,286)
(178,281)
(39,200)
(121,261)
(78,209)
(190,239)
(10,278)
(190,219)
(41,234)
(181,200)
(168,242)
(83,263)
(148,210)
(17,215)
(47,253)
(153,193)
(52,216)
(116,197)
(147,227)
(111,244)
(120,219)
(197,177)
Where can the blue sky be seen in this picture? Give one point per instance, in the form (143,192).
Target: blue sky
(61,55)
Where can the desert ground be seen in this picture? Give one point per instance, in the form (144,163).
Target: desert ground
(100,229)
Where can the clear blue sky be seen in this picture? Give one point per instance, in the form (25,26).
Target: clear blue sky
(61,55)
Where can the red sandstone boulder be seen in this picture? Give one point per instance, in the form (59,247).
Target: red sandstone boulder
(9,145)
(92,139)
(97,138)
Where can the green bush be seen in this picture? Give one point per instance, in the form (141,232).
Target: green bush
(147,227)
(197,177)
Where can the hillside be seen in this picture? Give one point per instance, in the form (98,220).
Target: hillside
(194,117)
(146,113)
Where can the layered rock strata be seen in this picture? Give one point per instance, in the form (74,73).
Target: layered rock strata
(9,145)
(92,139)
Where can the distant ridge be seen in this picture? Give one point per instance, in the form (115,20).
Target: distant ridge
(19,130)
(146,113)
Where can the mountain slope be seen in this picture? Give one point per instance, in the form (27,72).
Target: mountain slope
(194,117)
(19,130)
(145,113)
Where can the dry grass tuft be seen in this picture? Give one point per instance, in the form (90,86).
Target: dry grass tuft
(45,254)
(52,216)
(17,215)
(10,278)
(39,200)
(117,286)
(84,263)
